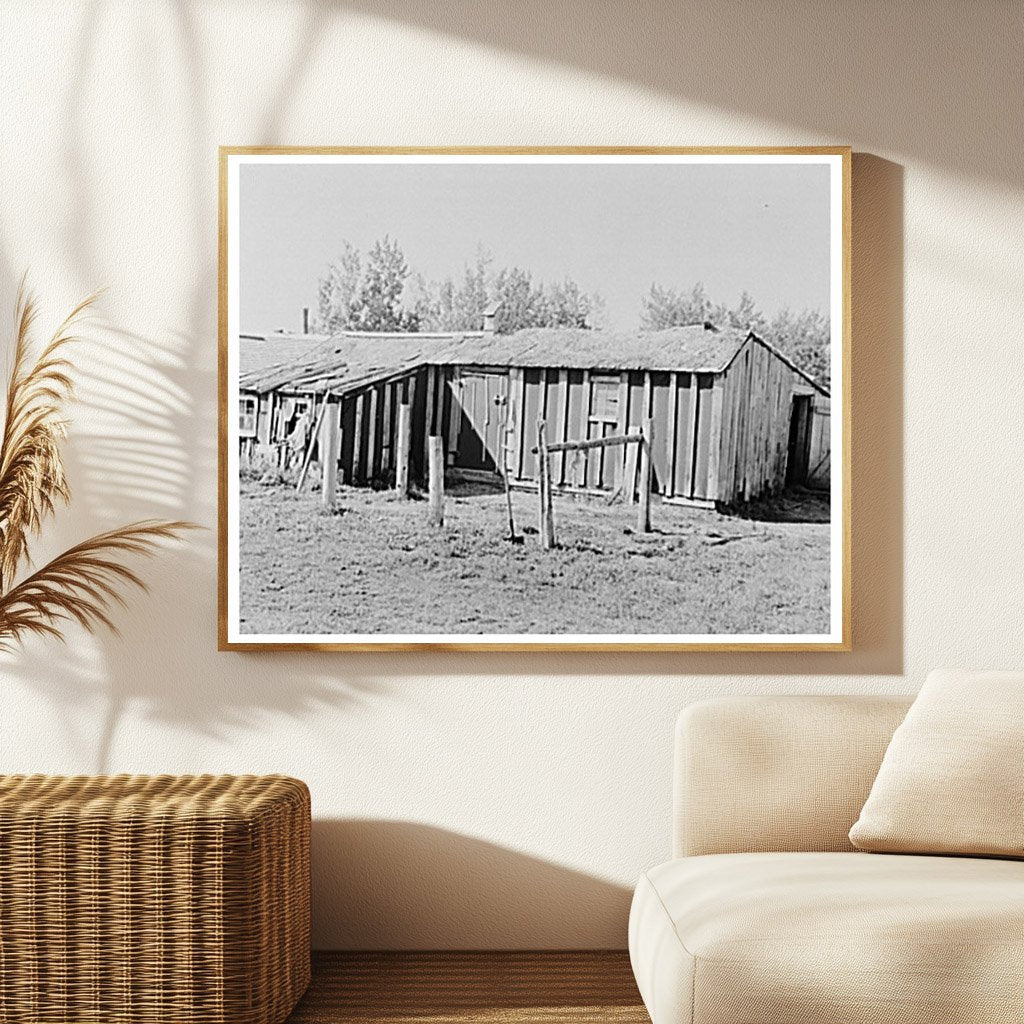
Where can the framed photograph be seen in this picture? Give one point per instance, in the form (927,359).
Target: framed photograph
(504,399)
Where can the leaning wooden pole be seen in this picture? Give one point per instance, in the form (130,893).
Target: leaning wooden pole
(330,438)
(507,423)
(643,517)
(402,453)
(435,458)
(314,434)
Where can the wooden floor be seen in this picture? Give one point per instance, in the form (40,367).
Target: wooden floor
(464,988)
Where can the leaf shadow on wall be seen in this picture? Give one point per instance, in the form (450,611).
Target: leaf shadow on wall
(147,445)
(904,79)
(406,885)
(129,459)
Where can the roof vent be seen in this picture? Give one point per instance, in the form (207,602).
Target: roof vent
(709,326)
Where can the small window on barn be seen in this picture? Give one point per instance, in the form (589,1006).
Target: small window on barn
(604,399)
(246,416)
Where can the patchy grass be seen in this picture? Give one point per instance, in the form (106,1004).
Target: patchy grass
(375,566)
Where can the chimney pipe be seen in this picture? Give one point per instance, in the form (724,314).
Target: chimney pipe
(305,319)
(489,315)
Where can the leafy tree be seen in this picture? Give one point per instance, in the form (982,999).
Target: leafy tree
(665,307)
(523,304)
(445,305)
(337,292)
(473,296)
(597,318)
(377,304)
(520,303)
(568,305)
(420,302)
(804,337)
(657,308)
(381,294)
(746,316)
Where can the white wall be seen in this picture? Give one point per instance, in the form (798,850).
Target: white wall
(494,800)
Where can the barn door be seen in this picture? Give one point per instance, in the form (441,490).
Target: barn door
(819,447)
(603,421)
(478,394)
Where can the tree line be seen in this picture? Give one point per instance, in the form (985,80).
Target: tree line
(379,292)
(803,336)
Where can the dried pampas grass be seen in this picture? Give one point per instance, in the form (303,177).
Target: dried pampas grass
(83,583)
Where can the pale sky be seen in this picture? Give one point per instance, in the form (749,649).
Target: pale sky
(613,228)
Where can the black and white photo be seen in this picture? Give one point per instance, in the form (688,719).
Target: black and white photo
(554,398)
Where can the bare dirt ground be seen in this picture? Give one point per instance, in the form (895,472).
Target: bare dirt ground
(375,566)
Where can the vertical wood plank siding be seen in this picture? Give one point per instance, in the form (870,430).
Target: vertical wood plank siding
(717,436)
(430,412)
(701,459)
(692,423)
(714,442)
(637,381)
(359,444)
(418,401)
(660,404)
(454,417)
(672,433)
(554,414)
(266,405)
(683,436)
(753,403)
(345,455)
(561,431)
(532,408)
(516,392)
(373,447)
(576,425)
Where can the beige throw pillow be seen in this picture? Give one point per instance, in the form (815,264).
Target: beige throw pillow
(952,780)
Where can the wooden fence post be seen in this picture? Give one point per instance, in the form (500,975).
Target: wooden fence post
(435,455)
(330,438)
(542,528)
(643,519)
(549,508)
(547,512)
(629,476)
(402,455)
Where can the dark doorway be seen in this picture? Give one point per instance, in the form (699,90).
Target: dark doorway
(799,440)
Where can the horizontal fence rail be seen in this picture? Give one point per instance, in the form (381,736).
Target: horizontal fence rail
(594,442)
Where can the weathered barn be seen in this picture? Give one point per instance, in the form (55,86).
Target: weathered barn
(733,419)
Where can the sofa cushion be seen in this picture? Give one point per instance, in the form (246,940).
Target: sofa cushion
(833,938)
(950,779)
(779,772)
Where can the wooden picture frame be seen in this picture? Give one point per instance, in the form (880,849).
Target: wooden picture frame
(713,418)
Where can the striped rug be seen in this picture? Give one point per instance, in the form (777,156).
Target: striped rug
(465,988)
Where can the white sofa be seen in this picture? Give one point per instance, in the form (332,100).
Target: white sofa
(768,915)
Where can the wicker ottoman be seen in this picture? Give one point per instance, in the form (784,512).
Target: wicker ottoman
(136,900)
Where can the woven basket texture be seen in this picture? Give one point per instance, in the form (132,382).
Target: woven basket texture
(143,899)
